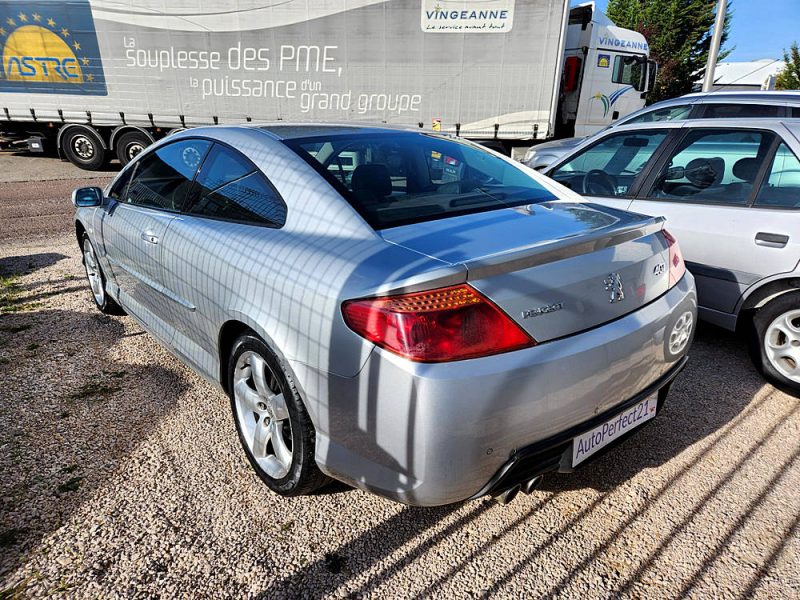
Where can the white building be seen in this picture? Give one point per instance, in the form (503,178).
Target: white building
(745,76)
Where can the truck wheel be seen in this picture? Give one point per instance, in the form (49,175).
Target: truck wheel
(83,148)
(775,341)
(129,145)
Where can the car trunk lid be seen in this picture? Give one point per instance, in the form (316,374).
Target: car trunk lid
(556,268)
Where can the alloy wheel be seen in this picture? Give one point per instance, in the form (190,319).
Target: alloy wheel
(782,344)
(93,272)
(262,415)
(681,333)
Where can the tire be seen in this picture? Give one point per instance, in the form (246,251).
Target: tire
(129,144)
(97,280)
(775,342)
(268,411)
(83,148)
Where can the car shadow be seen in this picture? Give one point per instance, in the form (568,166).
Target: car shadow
(730,386)
(700,402)
(28,263)
(325,575)
(53,458)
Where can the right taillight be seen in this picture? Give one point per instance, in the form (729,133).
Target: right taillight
(440,325)
(677,267)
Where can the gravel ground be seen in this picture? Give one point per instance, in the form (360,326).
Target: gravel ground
(122,477)
(35,192)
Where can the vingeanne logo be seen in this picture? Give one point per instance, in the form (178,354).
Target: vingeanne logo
(467,16)
(49,47)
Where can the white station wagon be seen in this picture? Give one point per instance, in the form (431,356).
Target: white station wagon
(730,190)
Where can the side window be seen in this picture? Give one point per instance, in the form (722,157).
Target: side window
(782,187)
(741,111)
(230,187)
(164,176)
(629,70)
(713,165)
(120,187)
(222,166)
(609,167)
(796,112)
(668,113)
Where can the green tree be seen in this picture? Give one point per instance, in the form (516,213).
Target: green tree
(789,77)
(679,35)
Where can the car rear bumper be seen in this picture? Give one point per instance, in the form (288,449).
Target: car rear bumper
(555,453)
(431,434)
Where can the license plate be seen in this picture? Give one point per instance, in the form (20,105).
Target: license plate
(590,442)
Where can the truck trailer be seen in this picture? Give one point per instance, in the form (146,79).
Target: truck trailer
(100,79)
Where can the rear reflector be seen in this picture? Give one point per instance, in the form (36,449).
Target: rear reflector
(677,267)
(440,325)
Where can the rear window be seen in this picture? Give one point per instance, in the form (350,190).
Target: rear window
(398,178)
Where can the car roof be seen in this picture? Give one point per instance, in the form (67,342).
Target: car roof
(768,96)
(759,97)
(288,131)
(755,123)
(765,97)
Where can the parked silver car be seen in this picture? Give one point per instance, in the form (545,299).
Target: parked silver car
(730,190)
(406,312)
(703,105)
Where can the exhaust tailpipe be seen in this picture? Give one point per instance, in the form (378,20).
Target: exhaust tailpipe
(530,486)
(508,495)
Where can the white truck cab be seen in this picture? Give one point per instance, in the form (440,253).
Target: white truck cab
(607,73)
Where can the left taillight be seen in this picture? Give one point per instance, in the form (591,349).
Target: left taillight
(444,324)
(677,268)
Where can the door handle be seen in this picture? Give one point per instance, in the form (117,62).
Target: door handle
(771,240)
(149,237)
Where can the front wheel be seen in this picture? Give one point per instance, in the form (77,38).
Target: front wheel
(274,428)
(97,280)
(775,341)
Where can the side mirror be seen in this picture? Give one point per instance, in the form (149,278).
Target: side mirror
(87,196)
(674,173)
(652,72)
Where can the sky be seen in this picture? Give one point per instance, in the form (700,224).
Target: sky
(759,28)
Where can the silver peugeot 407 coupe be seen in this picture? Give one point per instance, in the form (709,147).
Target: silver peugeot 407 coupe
(409,313)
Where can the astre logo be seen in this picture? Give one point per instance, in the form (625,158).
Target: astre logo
(53,51)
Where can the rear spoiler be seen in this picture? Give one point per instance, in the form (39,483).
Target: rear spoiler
(551,251)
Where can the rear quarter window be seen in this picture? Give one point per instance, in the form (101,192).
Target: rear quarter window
(742,111)
(230,187)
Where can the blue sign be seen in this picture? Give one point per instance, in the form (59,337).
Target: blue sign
(50,48)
